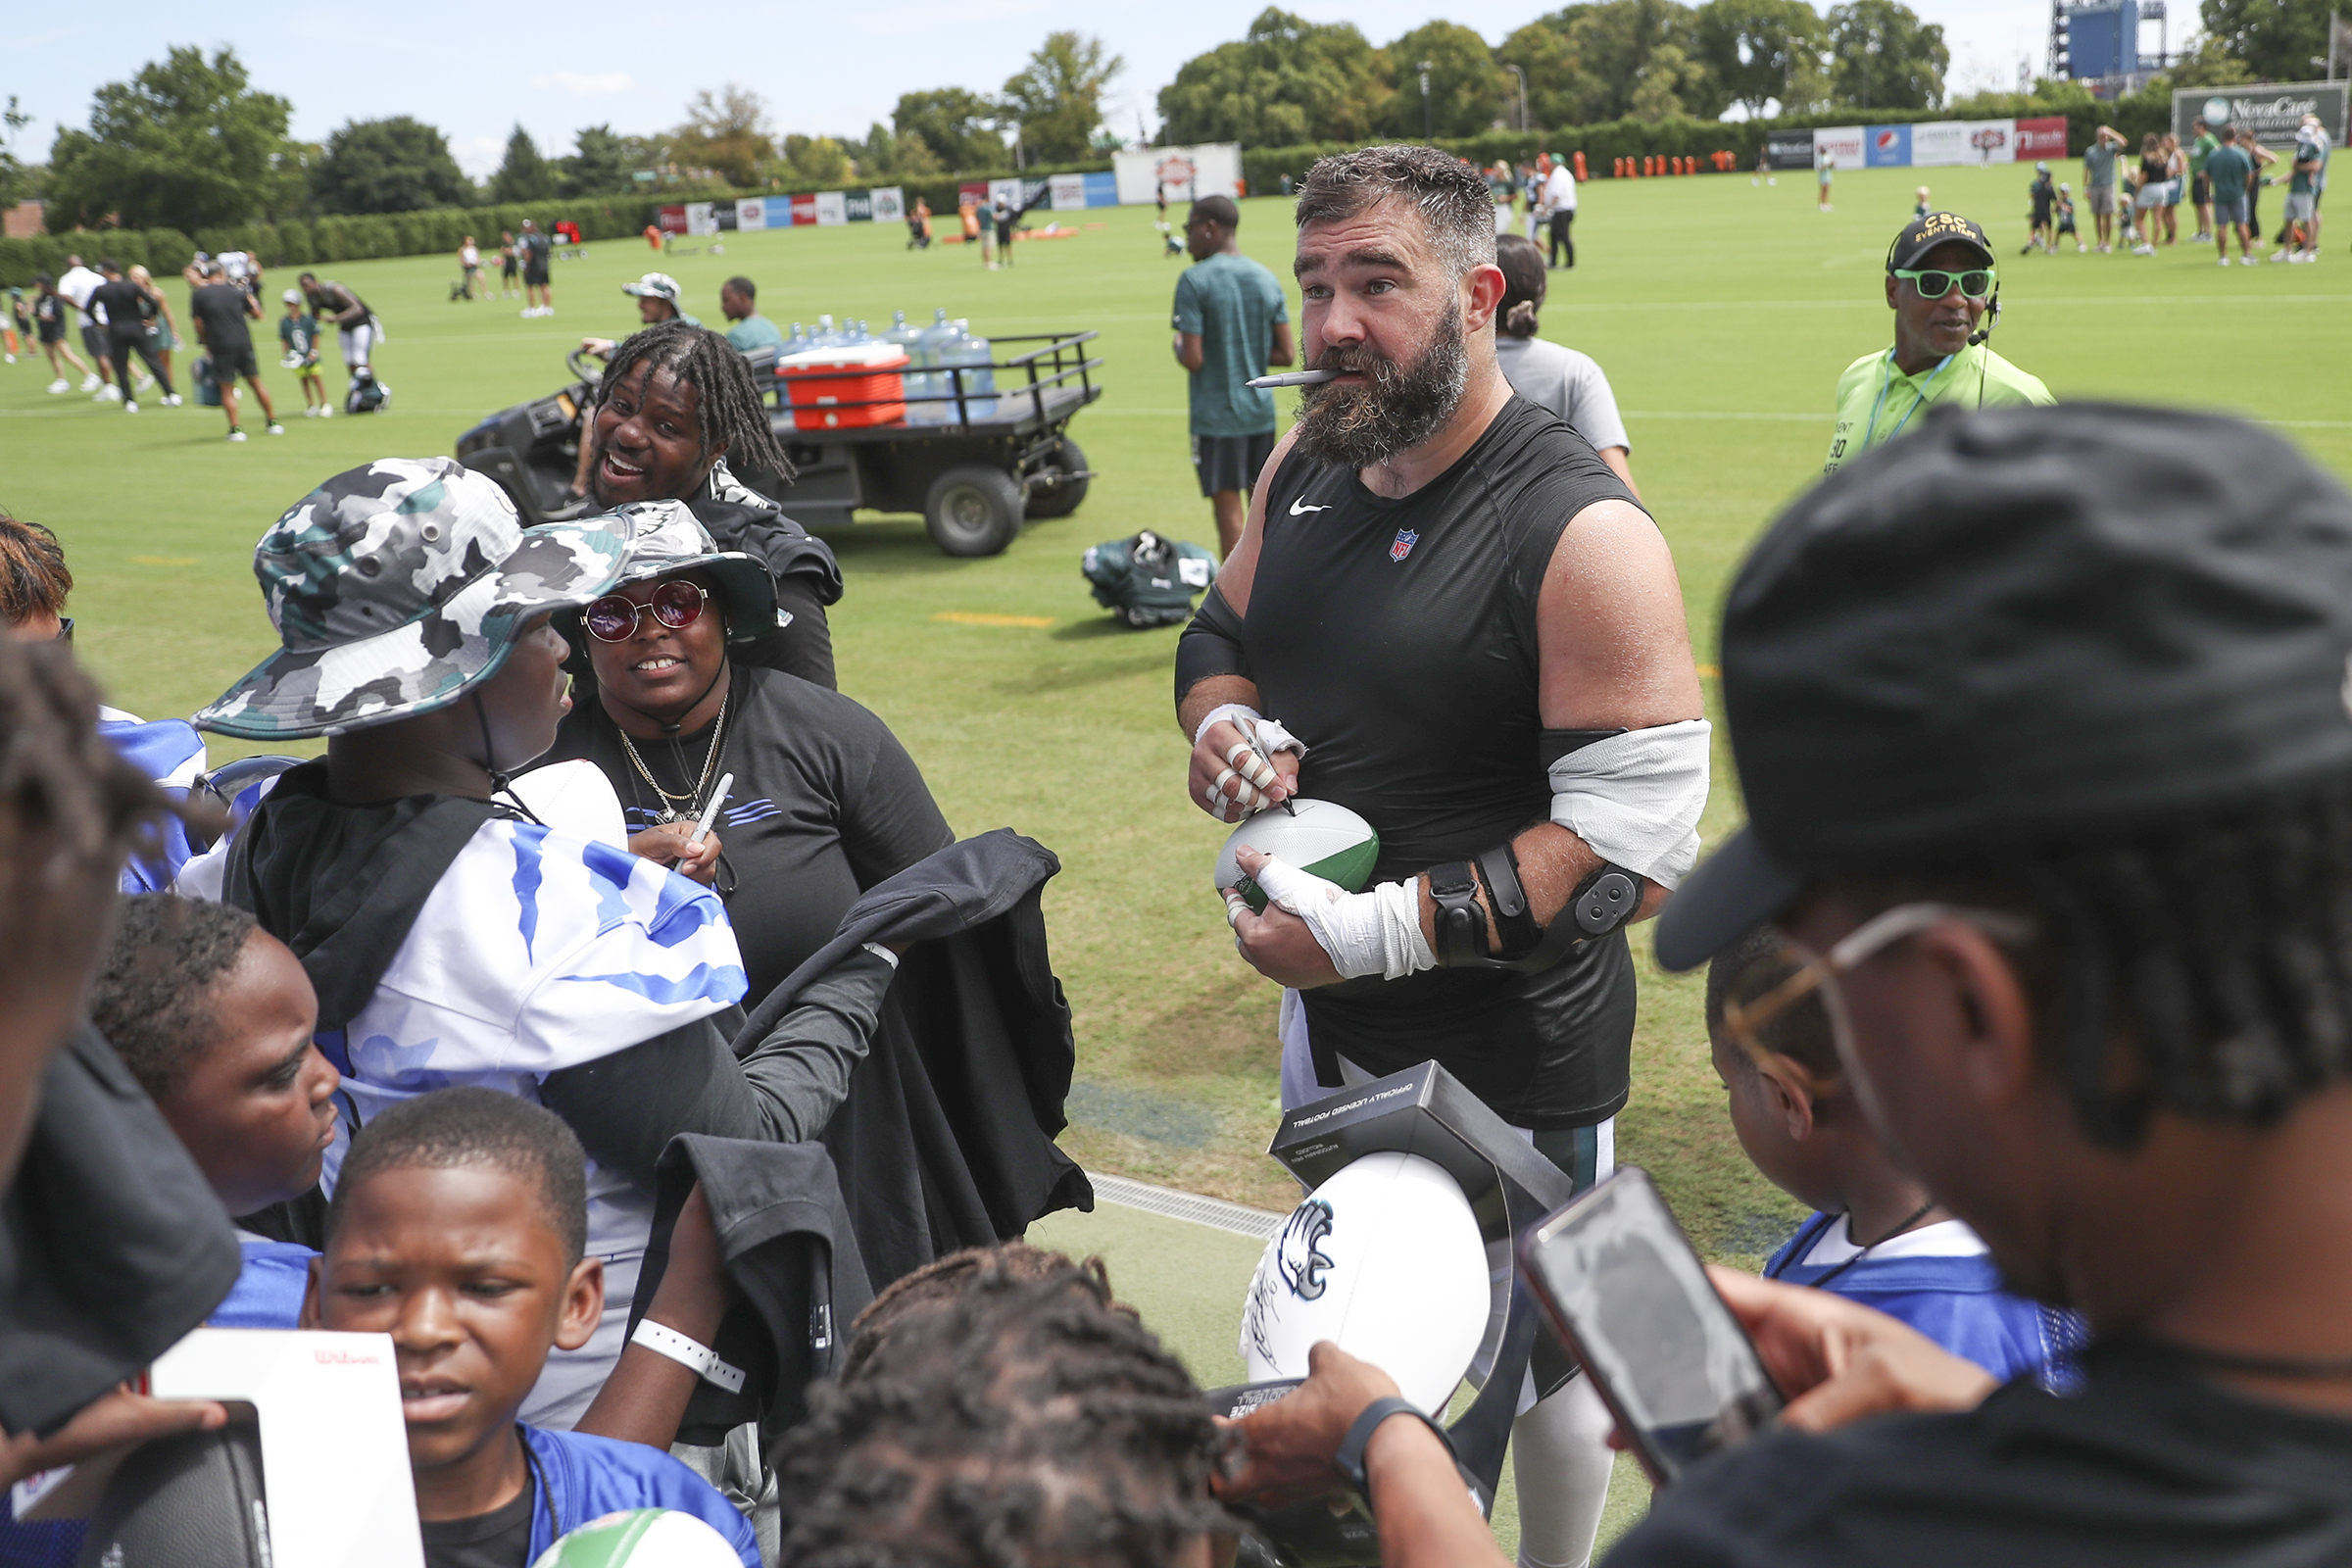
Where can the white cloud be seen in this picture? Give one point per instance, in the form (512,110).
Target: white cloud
(602,84)
(479,156)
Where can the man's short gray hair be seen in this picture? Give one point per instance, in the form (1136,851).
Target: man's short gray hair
(1450,196)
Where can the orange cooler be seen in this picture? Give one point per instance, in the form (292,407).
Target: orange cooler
(874,387)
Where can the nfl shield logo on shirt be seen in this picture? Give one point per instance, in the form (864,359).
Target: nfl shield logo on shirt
(1406,538)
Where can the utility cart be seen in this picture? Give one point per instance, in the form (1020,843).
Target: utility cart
(975,475)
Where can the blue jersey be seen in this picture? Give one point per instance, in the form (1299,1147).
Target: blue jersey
(170,752)
(1942,1281)
(269,1287)
(576,1478)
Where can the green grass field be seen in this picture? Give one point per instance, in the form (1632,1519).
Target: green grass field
(1722,311)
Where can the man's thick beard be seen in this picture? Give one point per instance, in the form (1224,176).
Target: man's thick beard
(1402,407)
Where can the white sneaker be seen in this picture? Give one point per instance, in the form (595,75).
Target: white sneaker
(2225,261)
(2248,260)
(12,358)
(2279,256)
(310,412)
(59,385)
(89,383)
(108,393)
(2298,258)
(131,407)
(326,410)
(277,428)
(236,435)
(142,381)
(171,400)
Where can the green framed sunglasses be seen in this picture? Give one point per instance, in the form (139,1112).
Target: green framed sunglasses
(1932,284)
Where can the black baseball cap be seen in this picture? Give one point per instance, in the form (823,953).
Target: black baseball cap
(2023,626)
(1930,229)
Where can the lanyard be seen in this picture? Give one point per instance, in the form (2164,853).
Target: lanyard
(1886,377)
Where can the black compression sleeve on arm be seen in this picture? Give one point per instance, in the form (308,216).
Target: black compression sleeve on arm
(627,1106)
(1211,644)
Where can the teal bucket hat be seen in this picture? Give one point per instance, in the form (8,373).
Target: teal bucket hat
(395,589)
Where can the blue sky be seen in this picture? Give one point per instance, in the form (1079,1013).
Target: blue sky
(477,68)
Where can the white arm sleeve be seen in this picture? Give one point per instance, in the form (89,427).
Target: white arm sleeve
(1634,799)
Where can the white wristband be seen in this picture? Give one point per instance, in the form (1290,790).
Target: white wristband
(881,952)
(1233,711)
(699,1359)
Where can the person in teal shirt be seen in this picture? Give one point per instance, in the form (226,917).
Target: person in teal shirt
(2230,170)
(1941,284)
(747,329)
(1232,323)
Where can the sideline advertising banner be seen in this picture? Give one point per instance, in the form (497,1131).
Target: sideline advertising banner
(1990,141)
(673,218)
(2272,111)
(1939,145)
(2041,140)
(1887,147)
(700,218)
(1185,173)
(803,211)
(1789,149)
(1068,192)
(751,214)
(974,191)
(832,210)
(889,204)
(1007,191)
(1102,188)
(858,204)
(1841,144)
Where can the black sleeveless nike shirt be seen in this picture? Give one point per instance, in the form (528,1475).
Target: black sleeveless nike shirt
(1397,638)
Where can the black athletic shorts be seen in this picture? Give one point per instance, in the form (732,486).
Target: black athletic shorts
(53,331)
(229,365)
(534,277)
(97,342)
(1230,462)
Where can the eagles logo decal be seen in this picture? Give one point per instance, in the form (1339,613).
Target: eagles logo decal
(1299,1255)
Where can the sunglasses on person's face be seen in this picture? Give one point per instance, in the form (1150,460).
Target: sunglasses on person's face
(614,619)
(1975,283)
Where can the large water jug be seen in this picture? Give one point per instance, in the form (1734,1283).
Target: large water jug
(967,349)
(929,344)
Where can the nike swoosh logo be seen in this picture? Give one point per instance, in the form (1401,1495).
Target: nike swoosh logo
(1300,508)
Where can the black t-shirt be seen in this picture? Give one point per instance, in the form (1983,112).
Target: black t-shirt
(533,249)
(126,304)
(826,803)
(499,1539)
(1397,639)
(219,309)
(2148,1465)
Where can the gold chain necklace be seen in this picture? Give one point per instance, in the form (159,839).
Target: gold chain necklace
(675,807)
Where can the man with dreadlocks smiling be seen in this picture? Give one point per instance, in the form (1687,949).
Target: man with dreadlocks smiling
(675,414)
(462,930)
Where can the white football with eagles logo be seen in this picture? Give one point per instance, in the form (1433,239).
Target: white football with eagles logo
(1384,1259)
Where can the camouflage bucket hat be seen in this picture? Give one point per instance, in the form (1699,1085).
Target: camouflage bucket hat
(395,588)
(664,539)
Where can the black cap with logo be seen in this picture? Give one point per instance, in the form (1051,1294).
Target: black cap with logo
(1930,229)
(2023,625)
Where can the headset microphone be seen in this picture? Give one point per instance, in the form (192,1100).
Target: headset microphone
(1993,318)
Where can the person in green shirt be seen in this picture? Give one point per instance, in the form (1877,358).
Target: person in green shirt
(748,329)
(2231,170)
(2201,186)
(1232,323)
(1940,283)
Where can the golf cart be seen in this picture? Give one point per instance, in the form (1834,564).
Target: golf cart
(989,461)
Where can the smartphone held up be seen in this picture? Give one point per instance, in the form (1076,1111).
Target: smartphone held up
(1624,1288)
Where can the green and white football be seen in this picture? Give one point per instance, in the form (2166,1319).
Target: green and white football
(642,1537)
(1330,840)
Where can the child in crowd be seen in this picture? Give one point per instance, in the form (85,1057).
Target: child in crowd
(1878,1237)
(212,1015)
(298,330)
(2066,219)
(459,1227)
(1921,210)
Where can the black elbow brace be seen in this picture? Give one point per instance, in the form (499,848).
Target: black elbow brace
(1211,644)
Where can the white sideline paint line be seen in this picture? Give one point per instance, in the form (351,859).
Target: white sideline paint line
(1719,413)
(1214,1213)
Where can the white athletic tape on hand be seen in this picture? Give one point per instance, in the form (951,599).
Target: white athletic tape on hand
(1236,713)
(1374,932)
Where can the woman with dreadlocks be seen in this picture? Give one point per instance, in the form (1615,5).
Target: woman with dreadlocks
(462,929)
(824,801)
(676,406)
